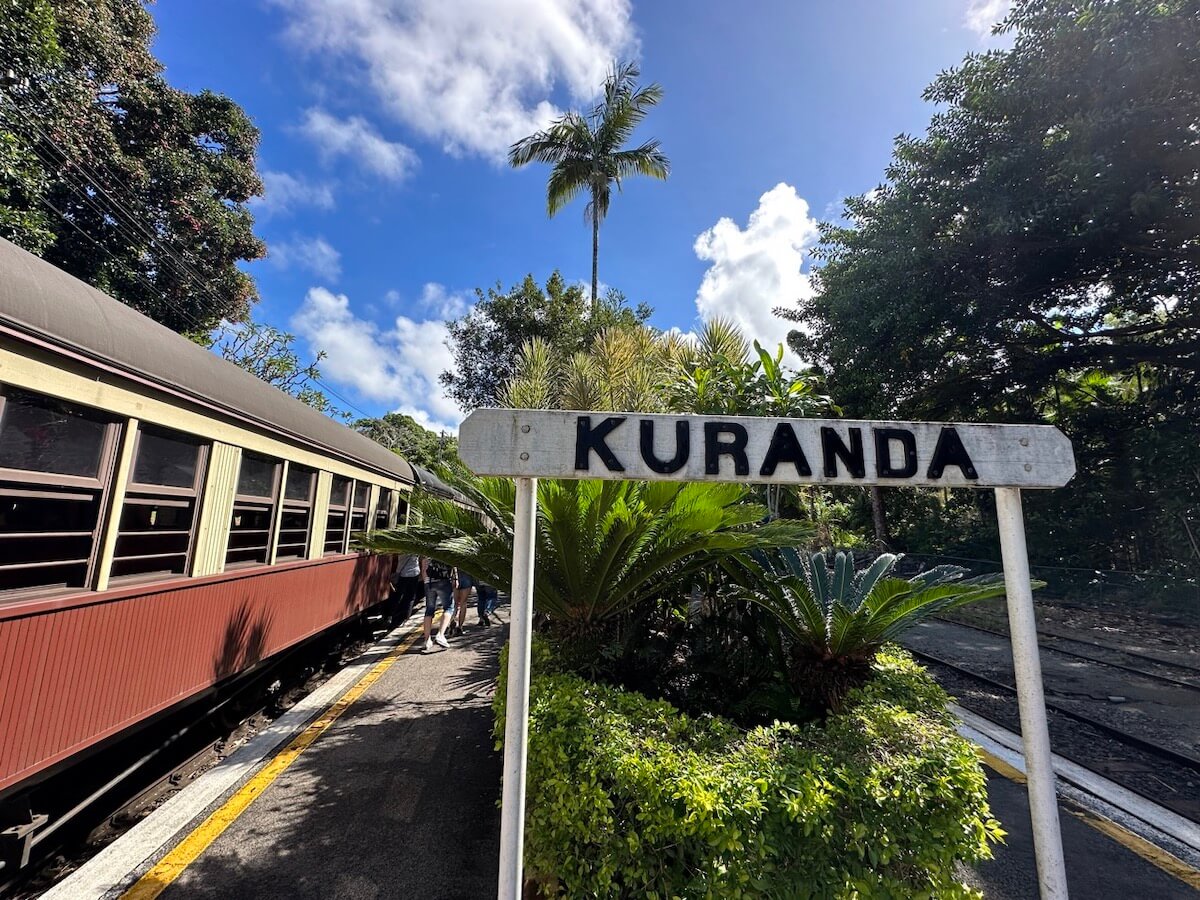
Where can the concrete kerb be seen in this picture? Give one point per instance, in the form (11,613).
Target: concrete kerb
(123,861)
(1153,823)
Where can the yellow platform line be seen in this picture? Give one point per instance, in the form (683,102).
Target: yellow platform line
(171,866)
(1151,853)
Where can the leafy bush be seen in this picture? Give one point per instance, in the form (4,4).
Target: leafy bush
(836,618)
(628,797)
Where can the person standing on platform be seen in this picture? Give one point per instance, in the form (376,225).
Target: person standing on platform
(485,602)
(406,583)
(439,580)
(462,593)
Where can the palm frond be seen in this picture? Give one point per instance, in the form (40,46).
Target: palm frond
(602,547)
(648,159)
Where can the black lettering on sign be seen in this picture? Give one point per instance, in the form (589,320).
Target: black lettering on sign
(785,448)
(588,439)
(834,448)
(883,453)
(714,448)
(951,452)
(682,447)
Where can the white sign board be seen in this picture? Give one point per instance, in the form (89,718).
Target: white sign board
(521,443)
(530,444)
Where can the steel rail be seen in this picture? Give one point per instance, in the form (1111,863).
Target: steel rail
(1104,662)
(1173,756)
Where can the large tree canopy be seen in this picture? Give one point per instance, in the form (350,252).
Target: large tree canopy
(1036,255)
(487,341)
(109,172)
(1049,221)
(405,435)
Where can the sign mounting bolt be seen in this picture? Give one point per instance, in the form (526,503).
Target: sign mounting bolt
(525,429)
(1024,442)
(524,456)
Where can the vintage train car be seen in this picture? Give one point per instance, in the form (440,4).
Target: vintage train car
(167,521)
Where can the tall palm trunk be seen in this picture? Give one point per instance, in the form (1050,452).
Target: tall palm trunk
(595,256)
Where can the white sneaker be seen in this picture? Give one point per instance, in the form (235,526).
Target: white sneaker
(442,642)
(428,644)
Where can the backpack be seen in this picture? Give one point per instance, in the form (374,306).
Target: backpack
(437,571)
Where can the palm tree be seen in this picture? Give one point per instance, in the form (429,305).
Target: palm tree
(586,151)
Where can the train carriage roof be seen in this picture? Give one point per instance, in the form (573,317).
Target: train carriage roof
(41,300)
(434,484)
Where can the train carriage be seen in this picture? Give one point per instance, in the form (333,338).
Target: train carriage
(167,521)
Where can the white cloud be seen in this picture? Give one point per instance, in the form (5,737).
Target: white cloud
(983,14)
(314,255)
(284,192)
(474,75)
(397,366)
(358,139)
(755,269)
(436,299)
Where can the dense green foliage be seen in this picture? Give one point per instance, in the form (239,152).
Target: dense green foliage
(634,367)
(115,176)
(1034,256)
(405,435)
(588,152)
(602,547)
(629,798)
(835,619)
(487,341)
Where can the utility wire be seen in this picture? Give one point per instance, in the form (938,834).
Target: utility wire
(181,269)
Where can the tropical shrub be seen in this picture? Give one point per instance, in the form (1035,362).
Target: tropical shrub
(628,797)
(602,547)
(836,619)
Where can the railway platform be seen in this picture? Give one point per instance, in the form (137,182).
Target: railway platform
(387,784)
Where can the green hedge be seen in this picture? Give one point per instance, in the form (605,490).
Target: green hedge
(628,797)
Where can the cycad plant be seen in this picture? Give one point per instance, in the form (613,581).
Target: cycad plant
(602,547)
(835,619)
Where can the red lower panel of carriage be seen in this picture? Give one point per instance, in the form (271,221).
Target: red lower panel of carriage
(77,670)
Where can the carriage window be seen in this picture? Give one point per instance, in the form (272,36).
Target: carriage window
(402,511)
(296,521)
(335,522)
(253,511)
(52,456)
(158,518)
(40,434)
(383,507)
(358,513)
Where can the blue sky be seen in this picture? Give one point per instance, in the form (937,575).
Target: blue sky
(384,125)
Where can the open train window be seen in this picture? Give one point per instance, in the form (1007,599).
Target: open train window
(358,511)
(253,511)
(383,509)
(158,518)
(402,510)
(55,460)
(339,511)
(295,524)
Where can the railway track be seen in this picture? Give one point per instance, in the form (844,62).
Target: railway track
(1166,776)
(1045,637)
(90,809)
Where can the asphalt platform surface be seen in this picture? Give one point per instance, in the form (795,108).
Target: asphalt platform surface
(398,799)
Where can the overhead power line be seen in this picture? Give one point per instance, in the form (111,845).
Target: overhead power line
(129,225)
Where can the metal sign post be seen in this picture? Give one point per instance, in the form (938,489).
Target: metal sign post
(1031,703)
(530,444)
(516,710)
